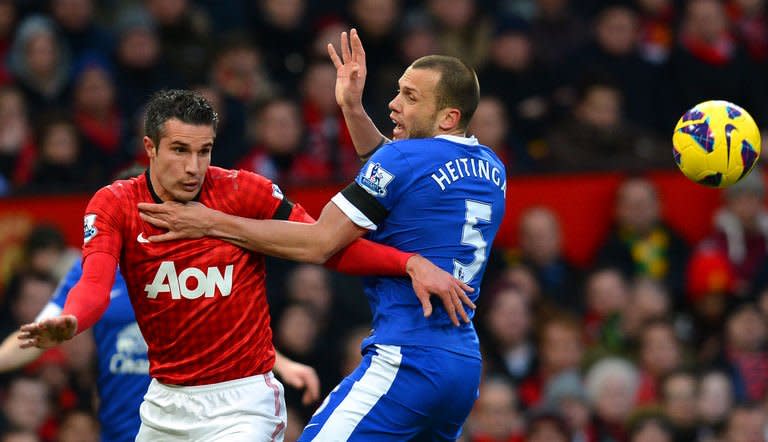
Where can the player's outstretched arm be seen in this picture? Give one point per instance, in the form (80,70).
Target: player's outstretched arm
(307,242)
(86,303)
(13,357)
(298,376)
(351,72)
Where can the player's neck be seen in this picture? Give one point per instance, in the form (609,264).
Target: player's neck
(156,189)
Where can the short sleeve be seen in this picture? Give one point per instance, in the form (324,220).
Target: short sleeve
(377,188)
(260,198)
(103,224)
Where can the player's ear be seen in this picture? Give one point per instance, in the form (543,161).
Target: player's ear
(149,147)
(448,119)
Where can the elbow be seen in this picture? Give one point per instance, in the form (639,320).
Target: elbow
(321,251)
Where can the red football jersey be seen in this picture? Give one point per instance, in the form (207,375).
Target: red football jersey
(201,304)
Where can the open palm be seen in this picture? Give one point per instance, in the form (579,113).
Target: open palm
(350,69)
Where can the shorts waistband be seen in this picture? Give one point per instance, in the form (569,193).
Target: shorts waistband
(263,378)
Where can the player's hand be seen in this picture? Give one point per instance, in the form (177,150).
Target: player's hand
(48,333)
(428,279)
(190,220)
(350,70)
(300,376)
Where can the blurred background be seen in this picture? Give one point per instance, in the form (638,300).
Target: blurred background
(622,302)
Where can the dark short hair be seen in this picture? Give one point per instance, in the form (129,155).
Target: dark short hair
(184,105)
(458,86)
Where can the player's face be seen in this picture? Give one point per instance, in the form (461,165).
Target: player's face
(178,165)
(414,108)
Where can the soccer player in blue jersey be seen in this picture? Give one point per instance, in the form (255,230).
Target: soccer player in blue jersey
(433,191)
(123,366)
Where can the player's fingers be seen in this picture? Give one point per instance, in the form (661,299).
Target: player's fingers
(334,56)
(464,286)
(312,391)
(29,343)
(151,208)
(345,54)
(157,222)
(460,306)
(450,308)
(167,236)
(466,301)
(423,296)
(358,53)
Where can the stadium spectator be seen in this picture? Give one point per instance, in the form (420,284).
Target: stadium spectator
(651,427)
(17,149)
(283,31)
(544,426)
(595,136)
(40,64)
(561,348)
(657,29)
(648,300)
(140,68)
(744,353)
(714,402)
(78,426)
(611,386)
(640,243)
(490,125)
(27,405)
(19,436)
(329,145)
(278,148)
(513,75)
(8,18)
(185,40)
(59,165)
(462,28)
(606,294)
(746,422)
(566,394)
(76,21)
(741,229)
(99,121)
(495,416)
(540,240)
(707,47)
(507,320)
(678,402)
(660,354)
(613,52)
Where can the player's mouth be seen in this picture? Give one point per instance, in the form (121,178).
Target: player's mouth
(399,131)
(190,186)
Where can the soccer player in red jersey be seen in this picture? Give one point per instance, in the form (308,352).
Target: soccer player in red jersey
(201,303)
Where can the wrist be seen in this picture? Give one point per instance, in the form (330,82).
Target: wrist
(412,262)
(353,109)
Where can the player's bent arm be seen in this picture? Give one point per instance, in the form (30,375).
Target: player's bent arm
(314,243)
(298,376)
(361,257)
(366,137)
(13,357)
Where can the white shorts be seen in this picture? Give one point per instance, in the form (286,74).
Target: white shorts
(248,409)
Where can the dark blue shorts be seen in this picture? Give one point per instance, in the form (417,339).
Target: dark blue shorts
(399,394)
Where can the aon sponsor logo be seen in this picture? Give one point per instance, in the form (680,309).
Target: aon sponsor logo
(179,284)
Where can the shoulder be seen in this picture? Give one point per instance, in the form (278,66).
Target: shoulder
(119,190)
(236,180)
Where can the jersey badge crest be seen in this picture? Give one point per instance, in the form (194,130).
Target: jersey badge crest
(89,227)
(376,179)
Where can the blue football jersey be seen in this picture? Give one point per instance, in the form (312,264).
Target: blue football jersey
(121,354)
(443,198)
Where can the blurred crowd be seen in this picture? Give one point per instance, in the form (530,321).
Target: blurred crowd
(657,340)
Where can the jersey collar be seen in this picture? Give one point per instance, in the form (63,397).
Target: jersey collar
(469,141)
(156,198)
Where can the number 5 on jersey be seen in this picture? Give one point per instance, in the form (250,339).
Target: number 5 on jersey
(473,237)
